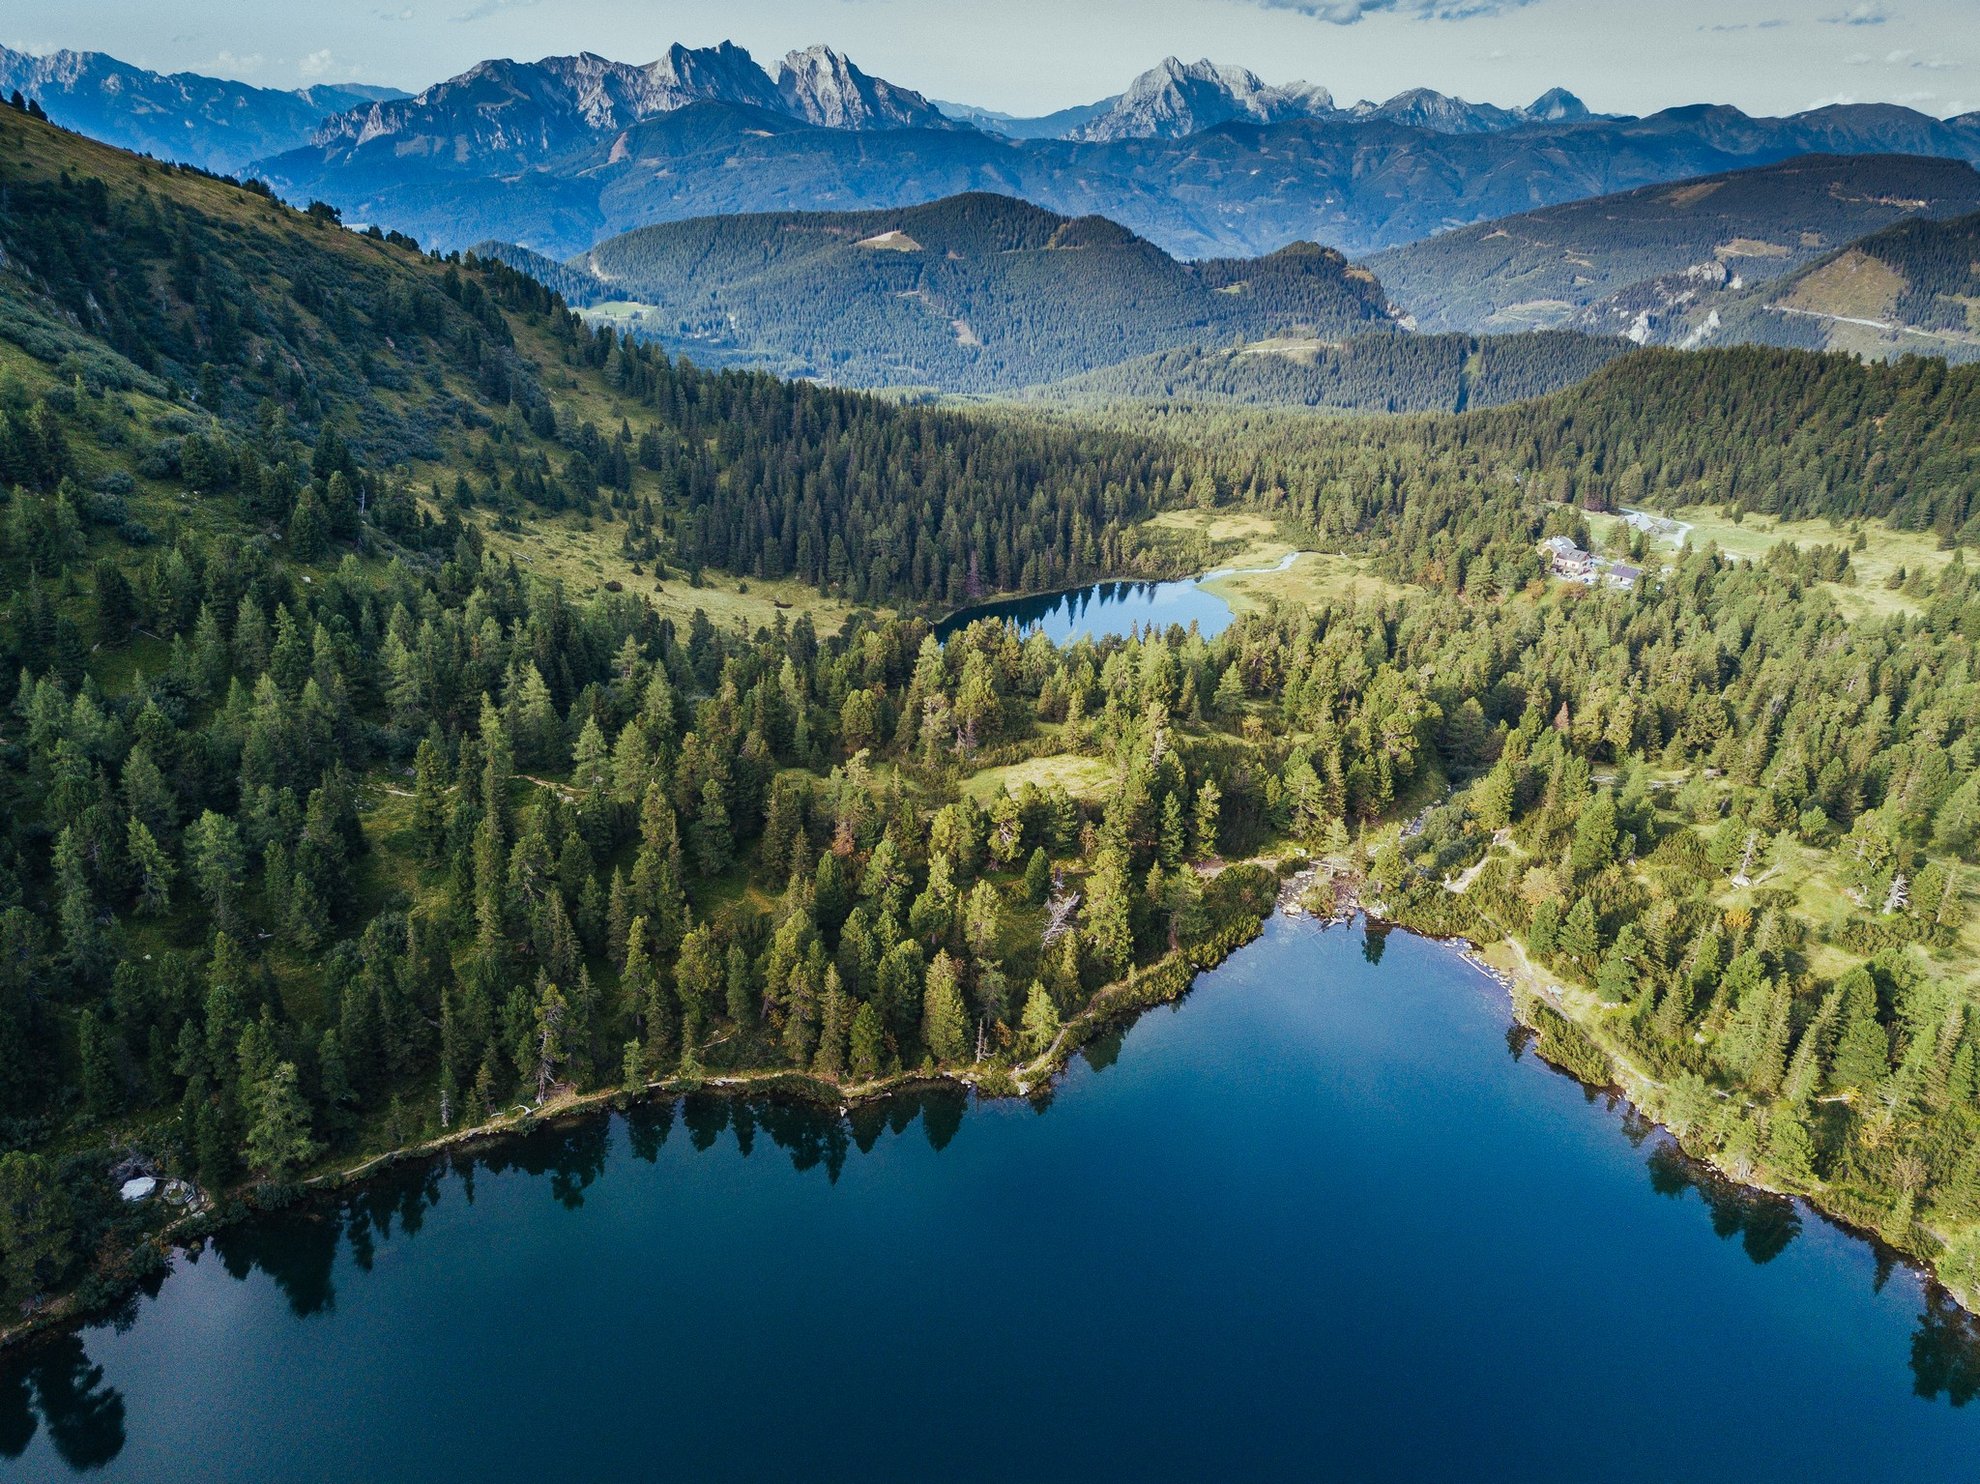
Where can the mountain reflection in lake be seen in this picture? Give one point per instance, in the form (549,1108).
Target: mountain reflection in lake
(1327,1175)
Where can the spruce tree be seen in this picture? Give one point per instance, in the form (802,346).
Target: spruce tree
(867,1044)
(944,1024)
(1040,1027)
(714,845)
(278,1138)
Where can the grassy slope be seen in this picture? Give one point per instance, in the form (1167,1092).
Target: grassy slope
(1536,269)
(1911,289)
(1886,552)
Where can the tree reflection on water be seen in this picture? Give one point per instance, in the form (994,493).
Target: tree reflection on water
(53,1384)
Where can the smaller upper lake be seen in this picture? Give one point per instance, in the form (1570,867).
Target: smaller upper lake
(1110,609)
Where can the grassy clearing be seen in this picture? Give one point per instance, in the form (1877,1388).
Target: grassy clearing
(1082,777)
(1222,538)
(1292,348)
(1885,552)
(584,556)
(1855,284)
(1213,539)
(1313,580)
(1215,525)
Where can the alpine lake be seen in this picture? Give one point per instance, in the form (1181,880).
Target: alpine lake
(1326,1218)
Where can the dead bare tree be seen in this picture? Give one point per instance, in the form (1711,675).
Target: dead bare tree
(1059,909)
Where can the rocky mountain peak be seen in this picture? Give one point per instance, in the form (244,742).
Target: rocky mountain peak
(1177,98)
(822,86)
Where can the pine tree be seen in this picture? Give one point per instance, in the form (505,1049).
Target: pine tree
(1579,939)
(538,734)
(943,1020)
(1492,800)
(550,1050)
(619,914)
(638,980)
(581,1015)
(1789,1148)
(429,798)
(983,919)
(309,532)
(800,1016)
(1037,878)
(591,764)
(714,846)
(658,1021)
(1040,1026)
(868,1046)
(835,1023)
(154,869)
(739,987)
(1106,919)
(278,1138)
(1595,836)
(339,1097)
(1172,842)
(218,860)
(484,1086)
(1206,820)
(1543,935)
(101,1089)
(37,1224)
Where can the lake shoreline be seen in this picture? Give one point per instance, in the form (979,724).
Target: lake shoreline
(1164,981)
(994,607)
(1641,1093)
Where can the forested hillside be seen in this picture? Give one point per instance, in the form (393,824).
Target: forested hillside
(326,830)
(1543,268)
(1370,373)
(973,293)
(1907,290)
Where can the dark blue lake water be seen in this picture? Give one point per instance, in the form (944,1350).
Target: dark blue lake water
(1110,609)
(1325,1220)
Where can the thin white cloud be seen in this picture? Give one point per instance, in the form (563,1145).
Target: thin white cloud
(1904,56)
(317,63)
(486,8)
(1863,13)
(1347,12)
(230,64)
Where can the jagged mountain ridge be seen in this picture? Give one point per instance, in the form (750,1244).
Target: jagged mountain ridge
(1237,190)
(823,87)
(973,293)
(1174,99)
(1055,125)
(1425,108)
(521,114)
(212,122)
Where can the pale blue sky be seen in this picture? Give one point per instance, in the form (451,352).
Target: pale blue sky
(1633,56)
